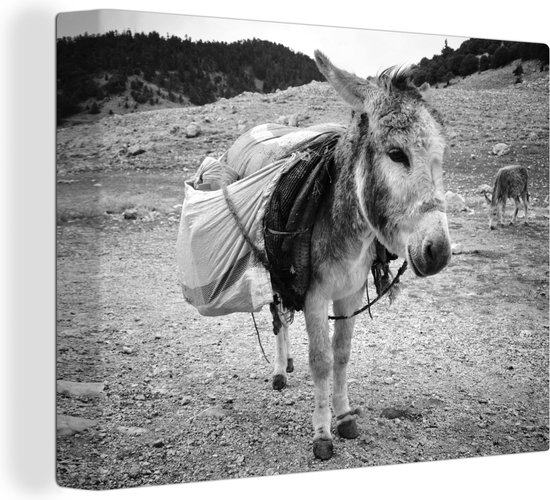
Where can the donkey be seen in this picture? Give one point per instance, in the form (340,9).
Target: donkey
(387,184)
(510,182)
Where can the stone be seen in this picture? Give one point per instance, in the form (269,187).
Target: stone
(135,151)
(192,130)
(399,414)
(501,149)
(80,389)
(68,425)
(456,248)
(130,214)
(455,202)
(131,431)
(214,411)
(294,120)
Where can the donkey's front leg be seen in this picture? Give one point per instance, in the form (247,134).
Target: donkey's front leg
(341,345)
(320,365)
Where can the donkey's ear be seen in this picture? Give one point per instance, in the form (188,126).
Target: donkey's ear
(350,87)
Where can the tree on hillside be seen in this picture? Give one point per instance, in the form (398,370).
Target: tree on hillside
(502,57)
(468,65)
(447,51)
(483,63)
(455,62)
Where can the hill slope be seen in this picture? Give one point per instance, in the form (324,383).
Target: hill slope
(122,72)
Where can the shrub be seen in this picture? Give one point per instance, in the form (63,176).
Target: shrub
(94,110)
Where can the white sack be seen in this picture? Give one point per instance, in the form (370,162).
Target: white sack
(217,270)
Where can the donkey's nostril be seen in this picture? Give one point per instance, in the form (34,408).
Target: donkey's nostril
(428,251)
(435,254)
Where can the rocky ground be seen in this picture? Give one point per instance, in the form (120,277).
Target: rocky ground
(150,392)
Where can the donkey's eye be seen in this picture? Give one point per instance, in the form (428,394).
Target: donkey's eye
(398,156)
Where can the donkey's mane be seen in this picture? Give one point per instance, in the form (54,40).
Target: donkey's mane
(398,78)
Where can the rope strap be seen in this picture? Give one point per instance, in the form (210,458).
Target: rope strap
(356,411)
(400,272)
(258,254)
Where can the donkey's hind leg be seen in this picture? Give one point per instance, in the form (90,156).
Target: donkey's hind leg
(282,357)
(341,347)
(524,199)
(516,210)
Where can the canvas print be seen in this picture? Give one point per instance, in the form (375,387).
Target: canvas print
(287,248)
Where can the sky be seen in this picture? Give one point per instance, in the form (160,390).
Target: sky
(360,51)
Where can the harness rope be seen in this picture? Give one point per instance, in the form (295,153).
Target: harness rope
(395,281)
(259,340)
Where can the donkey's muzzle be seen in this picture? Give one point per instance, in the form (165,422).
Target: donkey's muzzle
(429,249)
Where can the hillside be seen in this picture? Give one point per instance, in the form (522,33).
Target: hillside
(481,110)
(123,73)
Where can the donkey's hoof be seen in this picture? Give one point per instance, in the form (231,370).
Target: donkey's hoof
(279,382)
(323,449)
(289,365)
(348,429)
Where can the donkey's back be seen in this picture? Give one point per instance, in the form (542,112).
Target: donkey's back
(510,182)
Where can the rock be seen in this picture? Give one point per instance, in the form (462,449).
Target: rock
(456,248)
(455,202)
(501,149)
(68,425)
(127,350)
(394,413)
(192,130)
(130,214)
(80,389)
(134,472)
(131,431)
(135,151)
(214,411)
(159,443)
(294,120)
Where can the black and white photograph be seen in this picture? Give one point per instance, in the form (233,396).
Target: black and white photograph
(274,256)
(286,248)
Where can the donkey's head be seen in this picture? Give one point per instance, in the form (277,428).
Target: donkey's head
(392,155)
(493,210)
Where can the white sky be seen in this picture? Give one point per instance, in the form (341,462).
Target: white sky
(361,51)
